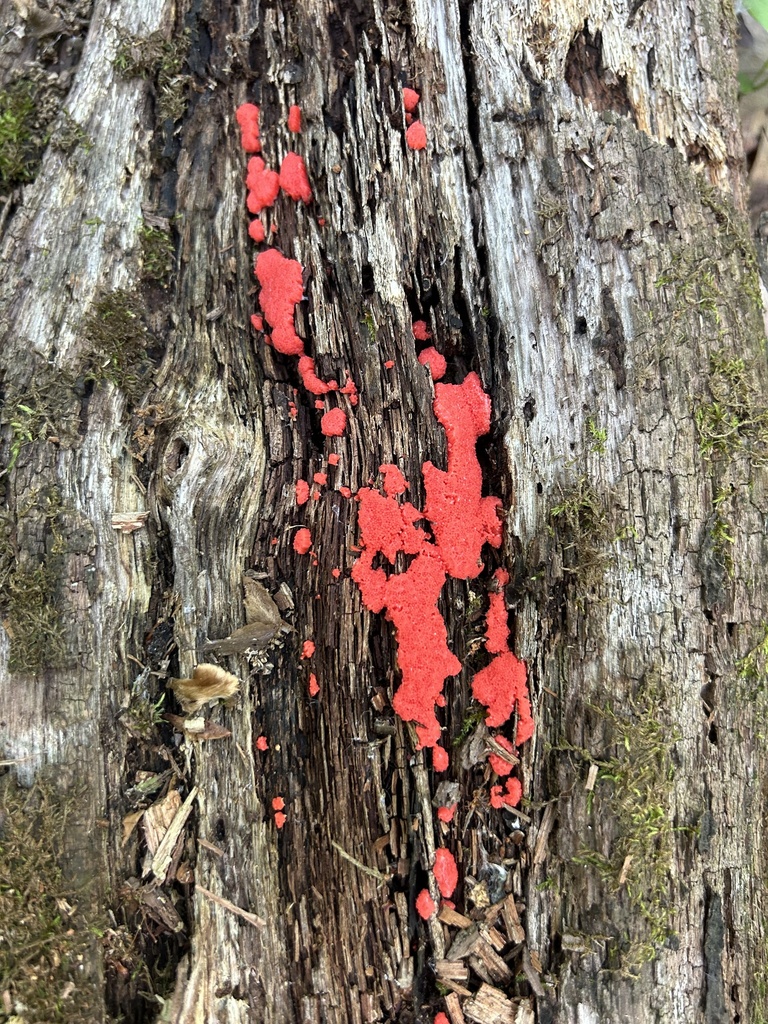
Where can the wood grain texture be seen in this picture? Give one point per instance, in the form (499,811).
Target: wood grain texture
(573,233)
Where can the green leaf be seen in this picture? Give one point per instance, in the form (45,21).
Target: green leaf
(759,11)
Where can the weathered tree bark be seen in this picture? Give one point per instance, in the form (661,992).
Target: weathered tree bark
(574,233)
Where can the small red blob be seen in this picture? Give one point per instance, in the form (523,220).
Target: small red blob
(440,1018)
(293,412)
(499,764)
(278,804)
(293,178)
(416,136)
(425,905)
(302,492)
(320,478)
(274,541)
(501,686)
(315,497)
(420,330)
(410,99)
(320,404)
(273,228)
(502,577)
(294,120)
(394,481)
(445,871)
(247,116)
(263,185)
(302,542)
(336,573)
(345,492)
(280,819)
(257,322)
(281,289)
(350,388)
(446,813)
(440,759)
(313,687)
(334,423)
(435,361)
(262,743)
(509,797)
(389,364)
(308,648)
(256,230)
(321,222)
(496,625)
(333,459)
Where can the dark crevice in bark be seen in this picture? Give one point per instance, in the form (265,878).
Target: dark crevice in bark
(473,93)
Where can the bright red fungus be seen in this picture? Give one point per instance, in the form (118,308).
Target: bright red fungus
(435,361)
(293,178)
(416,136)
(333,459)
(320,478)
(256,230)
(440,1018)
(462,521)
(501,686)
(410,99)
(445,871)
(281,289)
(302,492)
(263,185)
(302,541)
(500,764)
(345,492)
(446,813)
(389,364)
(313,687)
(294,119)
(440,759)
(510,796)
(334,423)
(257,322)
(262,743)
(278,804)
(308,648)
(311,381)
(394,481)
(247,116)
(280,819)
(425,905)
(496,625)
(420,330)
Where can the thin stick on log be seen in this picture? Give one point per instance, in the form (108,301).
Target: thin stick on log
(253,919)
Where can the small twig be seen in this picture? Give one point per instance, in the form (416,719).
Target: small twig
(253,919)
(358,864)
(209,846)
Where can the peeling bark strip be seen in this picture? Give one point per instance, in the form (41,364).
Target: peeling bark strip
(571,234)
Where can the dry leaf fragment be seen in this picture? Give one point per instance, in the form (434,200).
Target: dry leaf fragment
(198,728)
(158,817)
(130,821)
(262,621)
(208,683)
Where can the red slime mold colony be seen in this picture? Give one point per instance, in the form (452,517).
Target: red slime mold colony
(313,687)
(425,905)
(500,764)
(333,459)
(247,116)
(462,521)
(261,743)
(280,819)
(334,423)
(308,648)
(440,759)
(263,185)
(416,136)
(311,381)
(281,289)
(302,542)
(420,330)
(256,230)
(302,492)
(496,625)
(320,478)
(445,871)
(257,322)
(437,365)
(410,99)
(345,492)
(501,686)
(509,797)
(294,120)
(446,813)
(394,481)
(440,1018)
(278,804)
(293,178)
(389,364)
